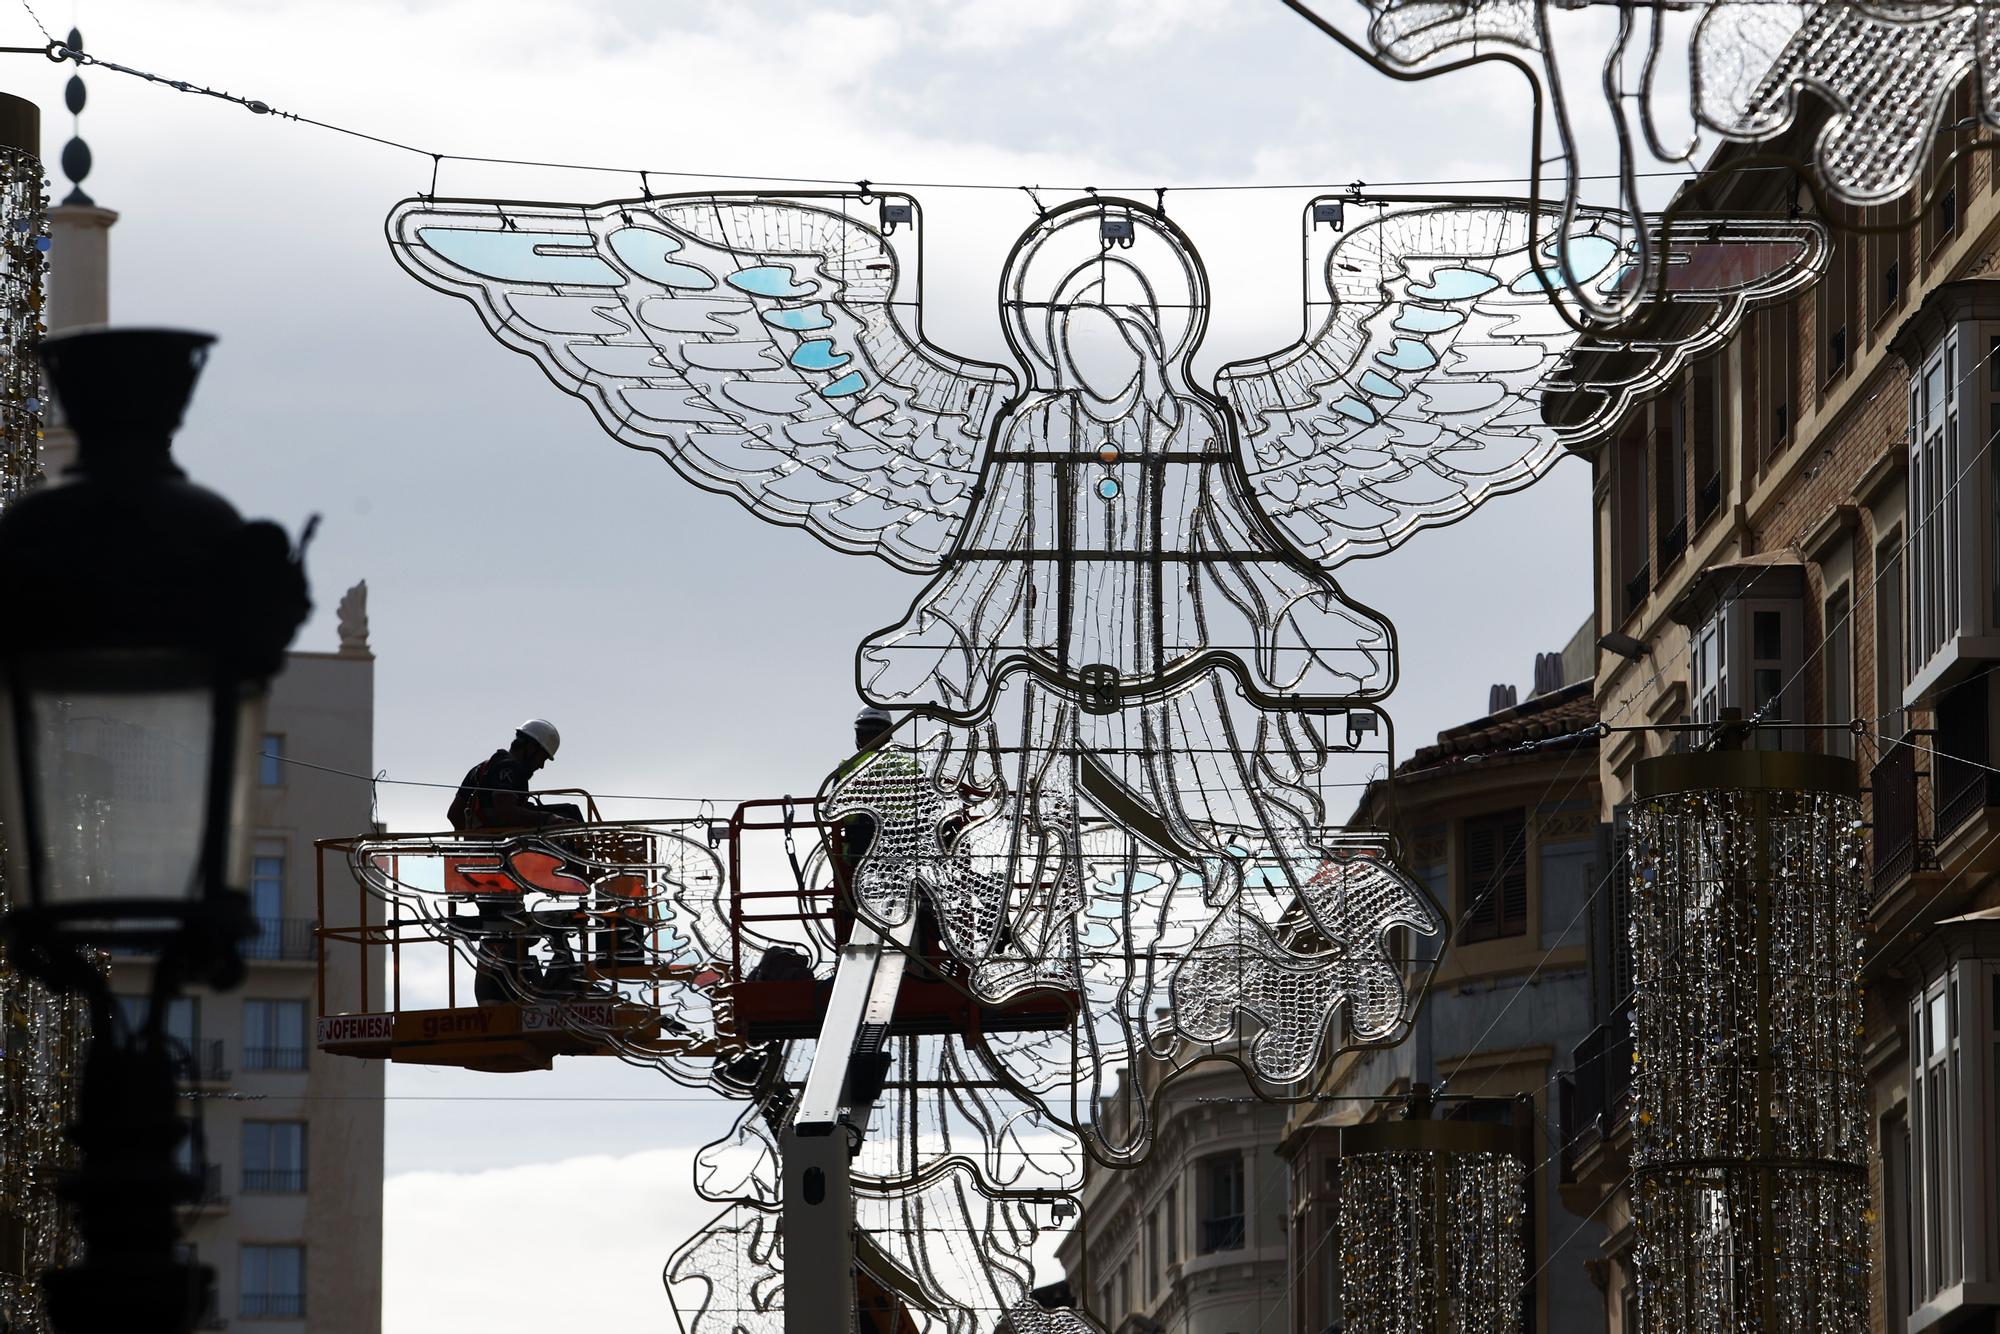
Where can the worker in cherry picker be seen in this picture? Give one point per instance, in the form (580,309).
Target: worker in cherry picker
(494,792)
(494,796)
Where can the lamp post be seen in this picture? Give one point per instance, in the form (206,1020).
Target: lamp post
(143,621)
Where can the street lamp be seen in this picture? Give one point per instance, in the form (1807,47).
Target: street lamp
(143,621)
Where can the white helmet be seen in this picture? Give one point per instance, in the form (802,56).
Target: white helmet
(543,733)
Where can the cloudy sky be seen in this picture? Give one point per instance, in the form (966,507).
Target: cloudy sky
(520,563)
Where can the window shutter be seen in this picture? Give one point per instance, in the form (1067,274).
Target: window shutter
(1513,890)
(1479,910)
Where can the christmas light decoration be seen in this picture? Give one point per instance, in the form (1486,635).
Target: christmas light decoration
(1749,1126)
(24,247)
(42,1039)
(1432,1227)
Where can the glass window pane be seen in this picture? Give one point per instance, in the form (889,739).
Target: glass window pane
(270,761)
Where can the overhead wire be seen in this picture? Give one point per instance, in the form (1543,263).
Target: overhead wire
(59,51)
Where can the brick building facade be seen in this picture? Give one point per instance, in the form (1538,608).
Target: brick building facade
(1803,526)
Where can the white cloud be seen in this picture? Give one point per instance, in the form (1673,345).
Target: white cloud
(575,1244)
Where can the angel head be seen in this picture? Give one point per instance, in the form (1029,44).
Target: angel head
(1107,303)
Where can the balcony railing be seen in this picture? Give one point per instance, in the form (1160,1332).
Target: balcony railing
(1637,587)
(1902,795)
(287,938)
(1602,1086)
(273,1305)
(274,1058)
(208,1187)
(1222,1234)
(273,1180)
(203,1062)
(1708,499)
(1674,542)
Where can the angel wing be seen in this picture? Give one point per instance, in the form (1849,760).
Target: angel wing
(768,349)
(1444,336)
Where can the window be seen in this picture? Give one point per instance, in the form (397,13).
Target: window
(1837,661)
(1173,1225)
(1889,637)
(1954,183)
(1153,1253)
(1884,251)
(1630,520)
(1749,645)
(1837,300)
(274,1157)
(1710,686)
(198,1060)
(1934,527)
(272,1282)
(1896,1220)
(1670,476)
(271,761)
(1954,1046)
(1705,401)
(267,900)
(1493,881)
(1219,1203)
(1768,407)
(274,1035)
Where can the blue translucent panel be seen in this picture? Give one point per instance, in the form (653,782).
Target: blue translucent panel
(1407,354)
(520,257)
(1424,319)
(850,383)
(818,355)
(1380,385)
(1587,256)
(803,318)
(1108,488)
(645,252)
(1456,285)
(1355,408)
(769,280)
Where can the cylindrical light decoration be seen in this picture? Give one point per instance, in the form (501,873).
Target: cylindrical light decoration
(24,246)
(1432,1227)
(1749,1143)
(42,1041)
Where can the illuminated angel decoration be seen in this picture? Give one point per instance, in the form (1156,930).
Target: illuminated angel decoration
(1135,697)
(1886,74)
(1132,622)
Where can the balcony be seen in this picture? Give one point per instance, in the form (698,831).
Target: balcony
(1708,499)
(273,1180)
(1674,542)
(272,1305)
(202,1062)
(274,1058)
(290,939)
(1637,587)
(1901,842)
(208,1187)
(1221,1234)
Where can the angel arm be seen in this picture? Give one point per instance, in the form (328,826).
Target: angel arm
(768,349)
(1422,392)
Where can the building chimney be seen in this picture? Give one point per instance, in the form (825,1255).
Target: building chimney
(1499,697)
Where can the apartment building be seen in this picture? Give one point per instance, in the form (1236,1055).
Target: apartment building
(1498,818)
(1193,1239)
(1805,526)
(289,1144)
